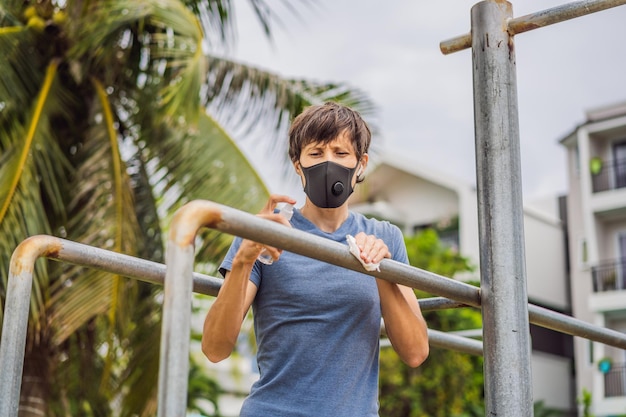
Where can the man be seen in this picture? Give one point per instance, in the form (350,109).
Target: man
(317,325)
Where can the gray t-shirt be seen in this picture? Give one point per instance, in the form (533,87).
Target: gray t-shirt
(317,328)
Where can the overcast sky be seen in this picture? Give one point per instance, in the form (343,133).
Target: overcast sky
(390,50)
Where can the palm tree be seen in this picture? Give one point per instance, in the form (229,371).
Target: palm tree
(104,132)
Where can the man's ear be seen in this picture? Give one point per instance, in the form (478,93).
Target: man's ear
(297,167)
(363,162)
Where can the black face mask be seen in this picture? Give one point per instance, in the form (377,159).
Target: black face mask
(328,185)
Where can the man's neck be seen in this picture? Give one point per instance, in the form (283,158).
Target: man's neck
(327,220)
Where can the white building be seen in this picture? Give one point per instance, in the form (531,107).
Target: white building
(414,197)
(596,155)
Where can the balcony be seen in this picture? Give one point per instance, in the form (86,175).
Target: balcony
(609,276)
(615,381)
(609,175)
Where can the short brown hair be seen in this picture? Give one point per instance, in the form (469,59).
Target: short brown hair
(324,123)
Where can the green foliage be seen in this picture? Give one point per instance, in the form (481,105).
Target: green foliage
(202,388)
(539,410)
(448,383)
(112,116)
(425,251)
(586,402)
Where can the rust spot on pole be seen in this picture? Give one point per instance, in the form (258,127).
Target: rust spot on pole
(521,26)
(456,44)
(511,49)
(190,218)
(27,252)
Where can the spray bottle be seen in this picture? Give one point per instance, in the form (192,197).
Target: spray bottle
(286,210)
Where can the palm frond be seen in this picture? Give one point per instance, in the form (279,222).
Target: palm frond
(149,241)
(81,296)
(118,176)
(25,217)
(76,372)
(8,184)
(21,69)
(8,12)
(256,106)
(139,376)
(30,185)
(102,215)
(267,15)
(269,97)
(171,36)
(216,18)
(205,163)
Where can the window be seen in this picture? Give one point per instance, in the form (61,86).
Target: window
(619,156)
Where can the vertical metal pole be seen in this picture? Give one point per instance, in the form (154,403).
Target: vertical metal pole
(176,326)
(506,338)
(175,331)
(15,324)
(13,340)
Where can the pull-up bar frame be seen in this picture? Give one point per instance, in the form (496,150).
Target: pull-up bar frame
(506,335)
(536,20)
(187,221)
(14,329)
(506,313)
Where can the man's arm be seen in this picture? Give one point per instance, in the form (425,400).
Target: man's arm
(222,323)
(404,323)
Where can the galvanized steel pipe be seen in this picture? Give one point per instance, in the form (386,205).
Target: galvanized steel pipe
(19,286)
(15,324)
(506,334)
(455,342)
(536,20)
(248,226)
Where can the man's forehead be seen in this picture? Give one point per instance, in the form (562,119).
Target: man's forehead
(343,139)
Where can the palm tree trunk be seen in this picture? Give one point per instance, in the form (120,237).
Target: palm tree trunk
(33,395)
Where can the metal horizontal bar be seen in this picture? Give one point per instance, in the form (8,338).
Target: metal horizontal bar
(154,272)
(148,271)
(125,265)
(20,283)
(246,225)
(536,20)
(559,14)
(450,341)
(439,303)
(552,320)
(455,342)
(238,223)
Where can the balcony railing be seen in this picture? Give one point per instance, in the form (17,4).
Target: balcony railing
(615,381)
(610,176)
(609,276)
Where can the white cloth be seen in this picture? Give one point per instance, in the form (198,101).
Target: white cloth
(354,249)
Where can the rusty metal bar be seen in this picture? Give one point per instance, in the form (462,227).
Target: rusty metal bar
(536,20)
(20,284)
(559,14)
(19,287)
(449,341)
